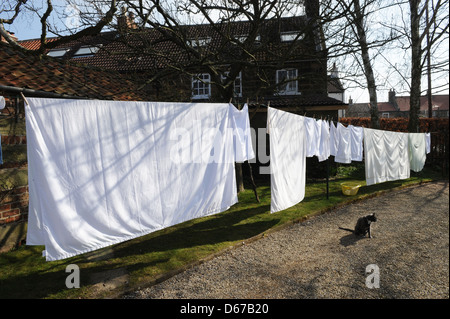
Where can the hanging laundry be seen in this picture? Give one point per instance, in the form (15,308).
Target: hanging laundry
(417,151)
(428,142)
(243,138)
(324,144)
(287,136)
(344,143)
(386,156)
(318,135)
(333,139)
(103,172)
(357,136)
(312,138)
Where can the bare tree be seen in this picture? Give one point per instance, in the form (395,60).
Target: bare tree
(421,26)
(350,37)
(422,29)
(14,8)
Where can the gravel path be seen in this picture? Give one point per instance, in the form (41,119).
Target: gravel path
(315,259)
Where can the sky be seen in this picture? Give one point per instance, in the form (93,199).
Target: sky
(26,27)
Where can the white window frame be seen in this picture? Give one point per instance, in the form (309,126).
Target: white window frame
(290,79)
(86,51)
(201,86)
(385,115)
(199,42)
(57,53)
(241,38)
(291,36)
(237,89)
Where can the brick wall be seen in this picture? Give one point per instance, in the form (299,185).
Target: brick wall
(13,202)
(14,205)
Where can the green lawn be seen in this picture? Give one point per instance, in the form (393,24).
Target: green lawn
(8,126)
(25,273)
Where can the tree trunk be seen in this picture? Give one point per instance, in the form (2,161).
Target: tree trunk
(239,177)
(416,68)
(368,71)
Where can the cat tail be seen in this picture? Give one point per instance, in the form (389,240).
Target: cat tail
(347,229)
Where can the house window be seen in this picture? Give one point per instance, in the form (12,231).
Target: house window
(287,81)
(385,115)
(291,36)
(199,42)
(57,53)
(242,38)
(86,51)
(237,84)
(201,86)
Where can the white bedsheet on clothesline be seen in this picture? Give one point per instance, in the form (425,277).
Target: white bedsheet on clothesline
(102,172)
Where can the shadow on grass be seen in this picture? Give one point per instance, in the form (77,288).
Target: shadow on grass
(162,250)
(211,230)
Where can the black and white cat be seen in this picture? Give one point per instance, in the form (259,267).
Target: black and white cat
(363,225)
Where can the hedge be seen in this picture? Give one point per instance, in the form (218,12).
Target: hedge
(427,125)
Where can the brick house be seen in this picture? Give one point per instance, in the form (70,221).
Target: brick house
(398,106)
(288,63)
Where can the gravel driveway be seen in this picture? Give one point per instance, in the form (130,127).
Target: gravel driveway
(315,259)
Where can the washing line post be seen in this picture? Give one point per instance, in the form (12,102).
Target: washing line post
(328,176)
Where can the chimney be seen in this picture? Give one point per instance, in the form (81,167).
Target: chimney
(126,21)
(311,8)
(392,100)
(350,101)
(334,72)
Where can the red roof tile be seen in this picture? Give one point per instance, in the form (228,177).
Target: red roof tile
(21,70)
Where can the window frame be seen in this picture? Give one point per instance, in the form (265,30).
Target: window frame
(57,53)
(290,36)
(239,85)
(199,42)
(87,51)
(203,80)
(290,82)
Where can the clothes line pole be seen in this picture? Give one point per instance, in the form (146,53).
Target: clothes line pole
(328,177)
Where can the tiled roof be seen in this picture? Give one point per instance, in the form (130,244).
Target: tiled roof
(147,50)
(438,101)
(386,107)
(48,74)
(144,51)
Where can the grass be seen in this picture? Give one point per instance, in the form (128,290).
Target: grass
(9,126)
(25,274)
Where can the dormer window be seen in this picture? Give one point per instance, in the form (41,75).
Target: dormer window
(57,53)
(86,51)
(243,37)
(291,36)
(199,42)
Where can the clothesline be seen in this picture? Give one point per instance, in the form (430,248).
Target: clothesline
(388,155)
(102,172)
